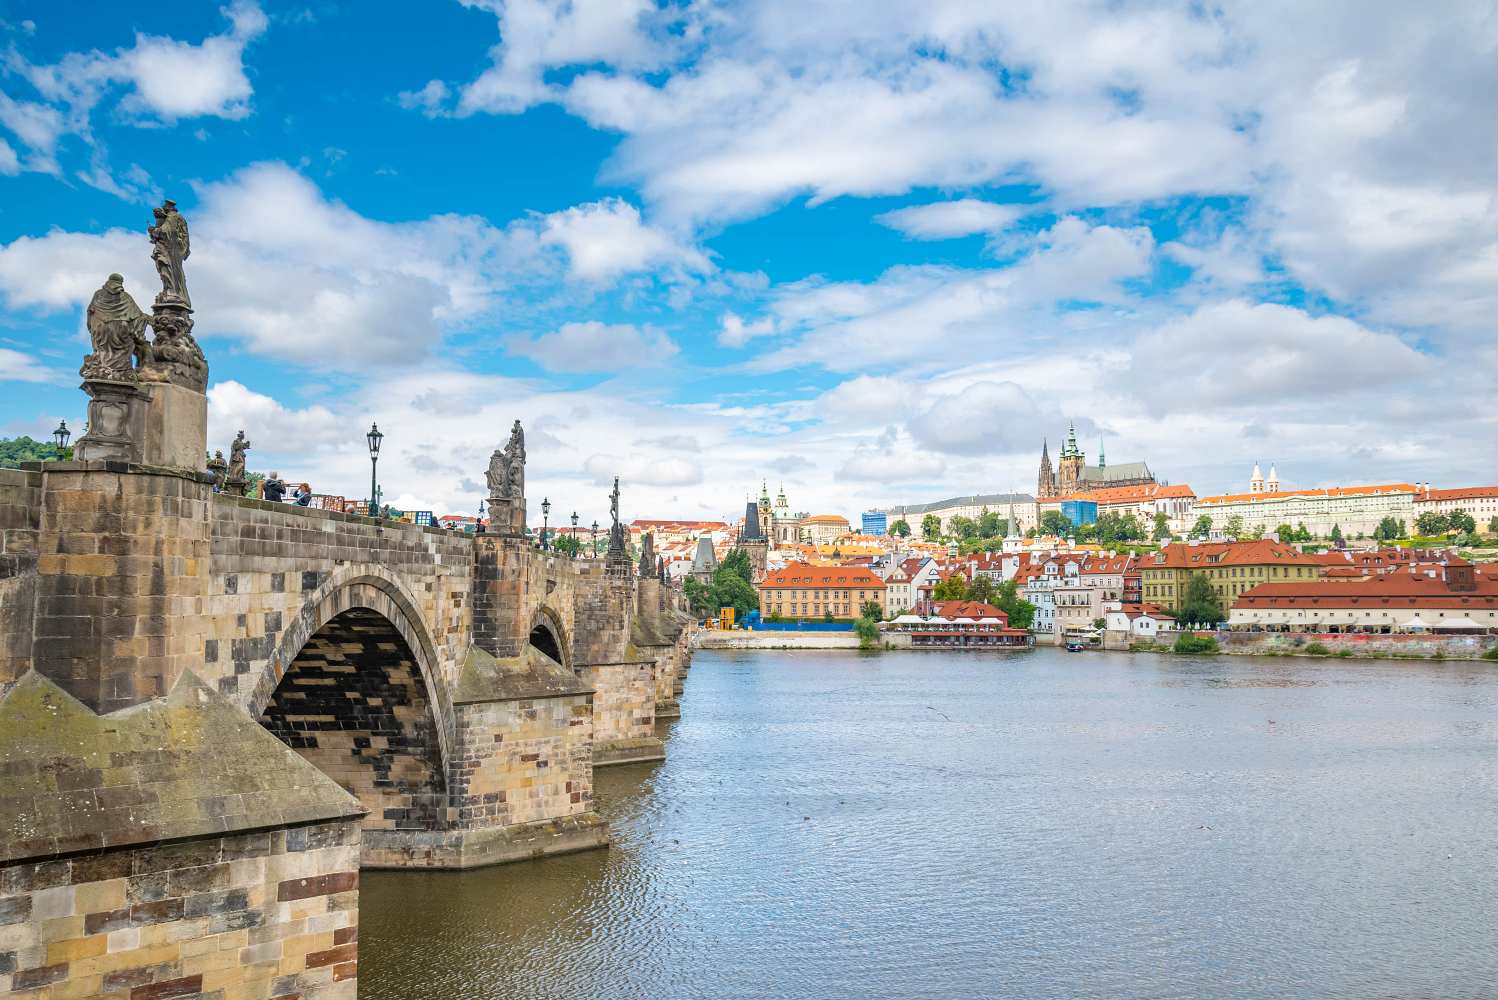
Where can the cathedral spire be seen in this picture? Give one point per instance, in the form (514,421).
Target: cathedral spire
(1102,459)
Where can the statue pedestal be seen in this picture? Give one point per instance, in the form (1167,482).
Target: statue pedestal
(507,516)
(116,422)
(176,426)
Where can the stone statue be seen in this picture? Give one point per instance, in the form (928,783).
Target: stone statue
(617,556)
(177,358)
(506,475)
(234,481)
(170,246)
(116,326)
(647,556)
(220,470)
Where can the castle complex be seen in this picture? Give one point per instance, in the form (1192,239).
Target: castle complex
(1072,474)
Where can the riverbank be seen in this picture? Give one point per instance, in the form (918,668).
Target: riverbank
(775,640)
(1344,646)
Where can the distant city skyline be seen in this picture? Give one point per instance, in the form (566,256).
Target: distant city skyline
(880,259)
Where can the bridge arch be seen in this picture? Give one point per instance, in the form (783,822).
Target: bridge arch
(354,685)
(549,635)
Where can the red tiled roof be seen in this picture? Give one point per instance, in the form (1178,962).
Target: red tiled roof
(1402,589)
(1178,555)
(1332,491)
(951,610)
(1461,493)
(1128,494)
(834,577)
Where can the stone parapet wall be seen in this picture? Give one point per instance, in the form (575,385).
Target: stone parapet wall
(20,526)
(260,914)
(603,604)
(276,569)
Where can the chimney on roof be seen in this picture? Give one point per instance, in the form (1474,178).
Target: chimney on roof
(1461,576)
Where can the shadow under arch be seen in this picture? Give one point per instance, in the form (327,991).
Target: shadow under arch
(373,589)
(354,705)
(549,635)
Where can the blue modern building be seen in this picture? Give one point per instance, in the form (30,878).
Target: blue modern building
(1079,512)
(877,522)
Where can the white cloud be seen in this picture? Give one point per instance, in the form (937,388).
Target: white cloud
(930,315)
(605,239)
(983,419)
(297,275)
(430,100)
(536,35)
(10,164)
(646,470)
(163,77)
(945,220)
(734,332)
(18,367)
(1241,354)
(592,346)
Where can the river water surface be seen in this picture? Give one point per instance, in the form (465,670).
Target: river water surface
(1003,825)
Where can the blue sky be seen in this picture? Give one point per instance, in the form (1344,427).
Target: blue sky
(875,251)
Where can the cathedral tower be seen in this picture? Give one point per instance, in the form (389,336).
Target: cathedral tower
(1045,485)
(1073,460)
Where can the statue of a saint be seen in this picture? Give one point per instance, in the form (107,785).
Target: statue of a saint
(116,326)
(614,503)
(219,469)
(506,475)
(236,458)
(170,246)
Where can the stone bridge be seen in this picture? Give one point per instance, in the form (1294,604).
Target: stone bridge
(214,710)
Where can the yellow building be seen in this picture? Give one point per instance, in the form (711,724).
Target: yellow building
(803,591)
(1230,567)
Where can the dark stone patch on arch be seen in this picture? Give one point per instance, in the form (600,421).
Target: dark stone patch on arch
(354,704)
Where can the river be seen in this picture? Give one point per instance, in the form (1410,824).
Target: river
(1035,824)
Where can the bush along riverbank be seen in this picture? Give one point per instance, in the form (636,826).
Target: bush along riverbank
(1332,645)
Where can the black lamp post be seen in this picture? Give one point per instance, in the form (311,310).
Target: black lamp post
(574,547)
(61,435)
(545,513)
(594,544)
(374,437)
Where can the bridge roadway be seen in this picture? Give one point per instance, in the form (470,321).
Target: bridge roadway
(214,711)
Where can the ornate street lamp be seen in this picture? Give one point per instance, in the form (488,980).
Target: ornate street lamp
(545,513)
(573,549)
(374,437)
(61,435)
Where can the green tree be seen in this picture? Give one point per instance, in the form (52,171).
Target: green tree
(1199,605)
(931,526)
(1389,529)
(1234,527)
(1020,611)
(1431,523)
(1203,527)
(736,562)
(871,609)
(991,525)
(568,545)
(699,596)
(14,451)
(868,632)
(900,528)
(1053,522)
(1285,533)
(1255,533)
(1162,527)
(1493,525)
(1336,535)
(1460,521)
(731,590)
(963,527)
(981,589)
(953,588)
